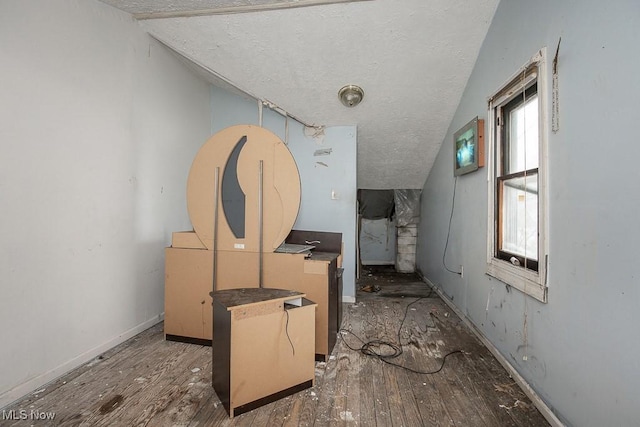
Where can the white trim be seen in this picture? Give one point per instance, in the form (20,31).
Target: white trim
(524,280)
(524,79)
(530,282)
(522,383)
(19,391)
(538,58)
(348,299)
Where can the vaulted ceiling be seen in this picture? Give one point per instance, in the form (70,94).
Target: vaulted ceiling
(411,57)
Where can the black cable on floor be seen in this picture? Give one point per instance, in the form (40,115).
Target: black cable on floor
(379,349)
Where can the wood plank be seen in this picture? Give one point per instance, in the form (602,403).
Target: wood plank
(391,324)
(424,352)
(147,398)
(355,318)
(377,329)
(326,394)
(307,404)
(427,398)
(182,410)
(280,413)
(404,379)
(352,410)
(486,379)
(447,384)
(340,413)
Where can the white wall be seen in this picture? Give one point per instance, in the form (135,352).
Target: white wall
(99,127)
(318,211)
(580,350)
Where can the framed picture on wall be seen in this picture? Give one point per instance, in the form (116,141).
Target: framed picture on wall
(468,147)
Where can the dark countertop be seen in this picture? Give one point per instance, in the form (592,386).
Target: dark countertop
(230,298)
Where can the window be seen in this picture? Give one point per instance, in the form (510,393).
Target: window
(517,237)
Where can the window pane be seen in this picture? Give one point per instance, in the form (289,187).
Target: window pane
(519,216)
(523,136)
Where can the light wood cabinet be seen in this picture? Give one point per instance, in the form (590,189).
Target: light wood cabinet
(263,346)
(188,282)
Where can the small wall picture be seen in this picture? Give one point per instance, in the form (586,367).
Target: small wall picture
(468,147)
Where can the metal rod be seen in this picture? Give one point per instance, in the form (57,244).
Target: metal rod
(260,220)
(215,229)
(214,275)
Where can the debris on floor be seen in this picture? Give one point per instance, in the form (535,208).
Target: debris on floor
(370,288)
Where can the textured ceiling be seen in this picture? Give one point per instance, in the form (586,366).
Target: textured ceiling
(411,57)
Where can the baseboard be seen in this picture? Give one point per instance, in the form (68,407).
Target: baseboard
(522,383)
(18,392)
(366,263)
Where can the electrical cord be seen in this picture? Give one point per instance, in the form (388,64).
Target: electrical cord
(444,254)
(286,329)
(374,348)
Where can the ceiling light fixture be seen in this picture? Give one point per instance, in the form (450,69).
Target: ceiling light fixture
(351,95)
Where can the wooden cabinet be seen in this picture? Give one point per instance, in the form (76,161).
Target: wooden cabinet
(188,282)
(317,278)
(263,346)
(322,280)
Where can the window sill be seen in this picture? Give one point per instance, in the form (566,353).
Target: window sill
(528,282)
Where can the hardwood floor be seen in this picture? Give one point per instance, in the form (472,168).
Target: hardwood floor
(148,381)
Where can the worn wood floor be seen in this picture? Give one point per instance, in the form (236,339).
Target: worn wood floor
(148,381)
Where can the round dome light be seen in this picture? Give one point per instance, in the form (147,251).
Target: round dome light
(351,95)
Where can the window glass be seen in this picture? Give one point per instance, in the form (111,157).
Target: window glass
(523,137)
(519,216)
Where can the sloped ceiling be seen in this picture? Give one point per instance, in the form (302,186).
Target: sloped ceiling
(411,57)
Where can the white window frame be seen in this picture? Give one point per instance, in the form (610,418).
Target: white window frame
(530,282)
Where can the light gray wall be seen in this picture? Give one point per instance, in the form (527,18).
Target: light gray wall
(328,201)
(582,346)
(99,125)
(378,241)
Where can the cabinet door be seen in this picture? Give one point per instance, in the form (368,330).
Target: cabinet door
(187,303)
(188,281)
(292,271)
(272,352)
